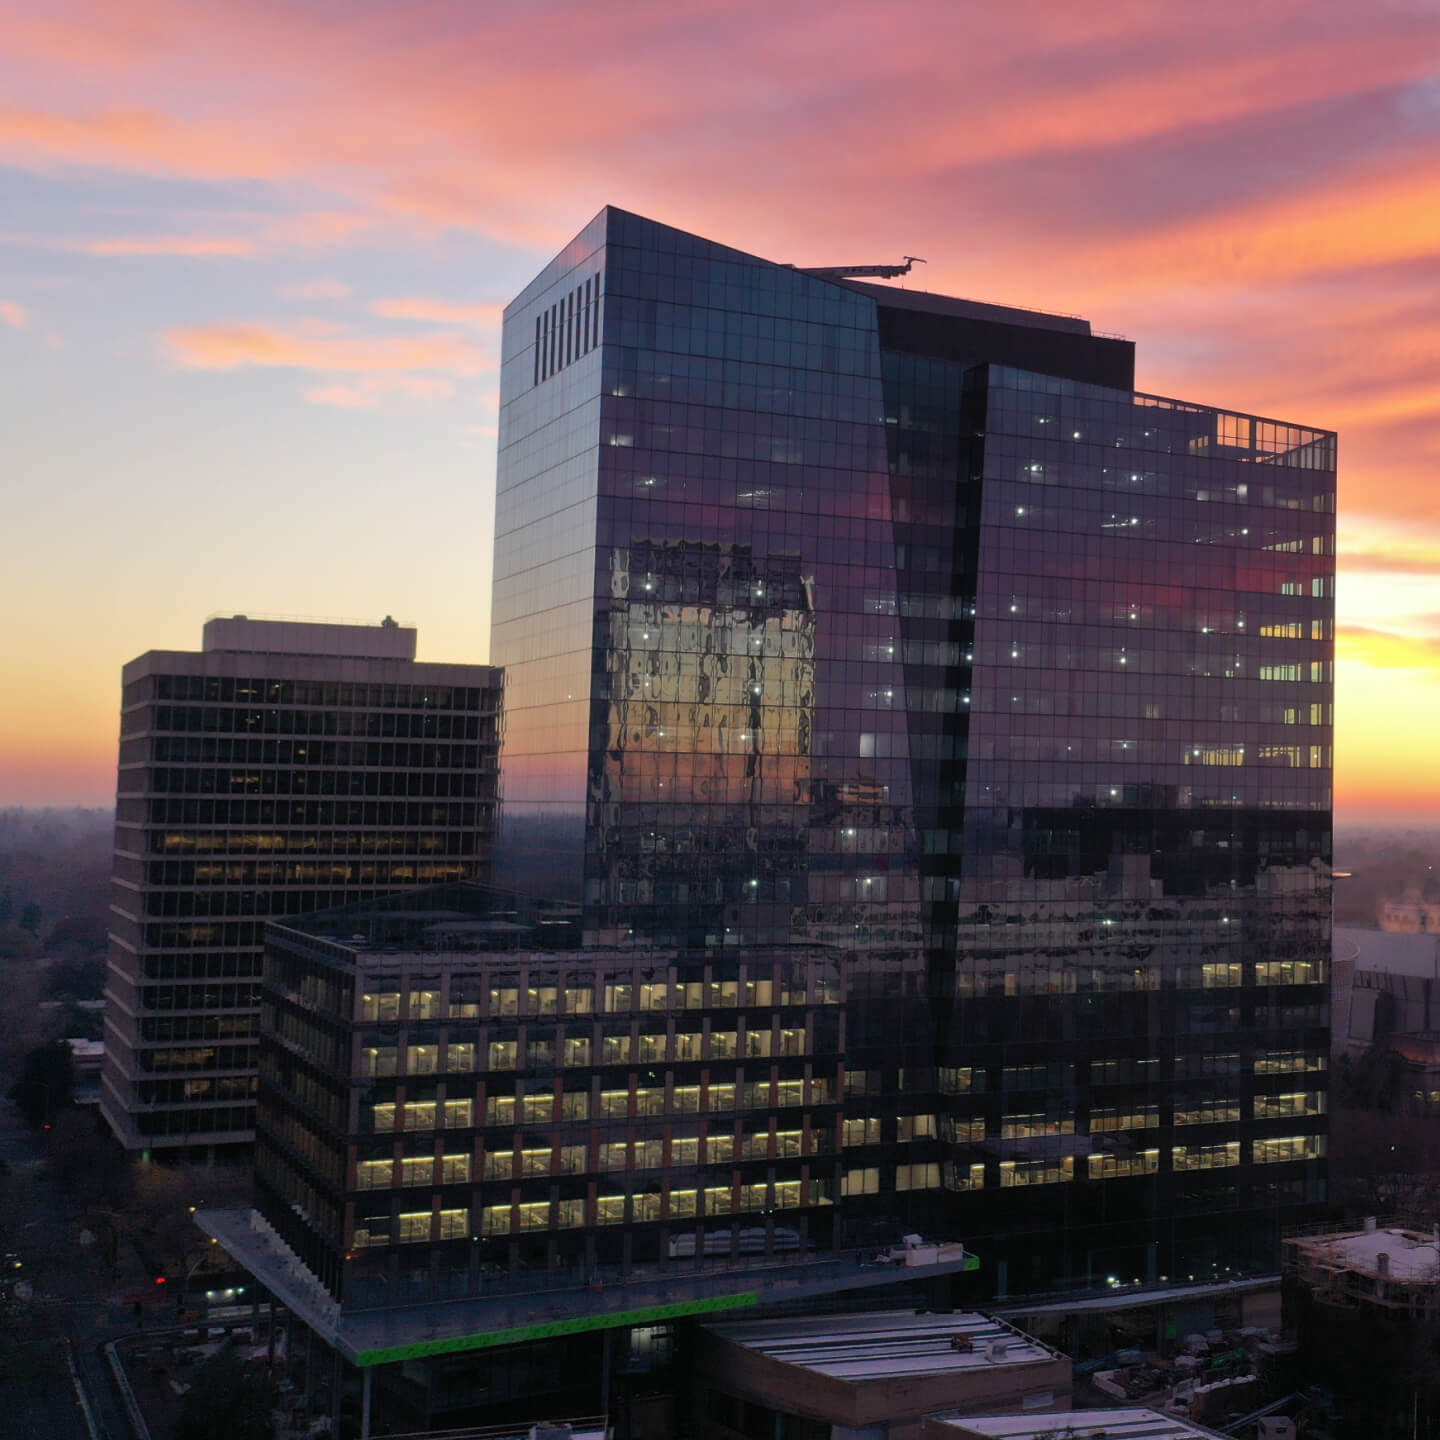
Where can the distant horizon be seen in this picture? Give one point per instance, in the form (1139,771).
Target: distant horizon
(1400,823)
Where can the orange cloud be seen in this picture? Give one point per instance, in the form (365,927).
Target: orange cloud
(14,314)
(441,312)
(202,246)
(1385,650)
(232,346)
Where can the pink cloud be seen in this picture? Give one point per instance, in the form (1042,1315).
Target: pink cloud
(200,246)
(14,315)
(317,347)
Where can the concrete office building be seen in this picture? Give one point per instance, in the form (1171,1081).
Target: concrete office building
(283,767)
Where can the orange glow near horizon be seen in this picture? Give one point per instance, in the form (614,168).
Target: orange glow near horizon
(249,310)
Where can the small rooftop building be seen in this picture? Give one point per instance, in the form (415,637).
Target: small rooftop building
(1363,1304)
(1079,1424)
(875,1375)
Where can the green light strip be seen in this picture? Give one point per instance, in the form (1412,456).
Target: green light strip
(645,1316)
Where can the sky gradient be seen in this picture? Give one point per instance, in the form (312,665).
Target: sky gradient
(253,255)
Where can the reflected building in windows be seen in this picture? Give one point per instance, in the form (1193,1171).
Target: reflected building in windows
(284,767)
(902,626)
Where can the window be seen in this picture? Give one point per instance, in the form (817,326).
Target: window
(654,997)
(500,1110)
(418,1170)
(687,1045)
(570,1214)
(454,1169)
(722,1097)
(615,1050)
(684,1150)
(1290,972)
(459,1114)
(574,1160)
(757,1043)
(723,1044)
(575,1050)
(538,1109)
(964,1177)
(460,1056)
(414,1226)
(682,1203)
(580,1000)
(916,1127)
(534,1215)
(373,1174)
(575,1105)
(719,1200)
(1108,1166)
(378,1060)
(495,1220)
(384,1116)
(504,1000)
(719,1149)
(1288,1147)
(687,1099)
(1049,1171)
(861,1131)
(535,1161)
(918,1177)
(610,1210)
(424,1004)
(613,1155)
(454,1224)
(1296,1102)
(1205,1157)
(864,1180)
(652,1049)
(503,1054)
(499,1164)
(619,998)
(543,999)
(1124,1117)
(419,1114)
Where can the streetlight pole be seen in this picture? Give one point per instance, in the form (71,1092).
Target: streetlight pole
(185,1283)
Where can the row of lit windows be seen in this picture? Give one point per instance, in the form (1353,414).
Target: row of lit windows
(498,1220)
(538,1052)
(543,1109)
(383,1003)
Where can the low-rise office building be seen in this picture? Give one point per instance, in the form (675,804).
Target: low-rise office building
(876,1375)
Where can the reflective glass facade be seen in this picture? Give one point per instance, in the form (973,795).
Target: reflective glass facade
(844,617)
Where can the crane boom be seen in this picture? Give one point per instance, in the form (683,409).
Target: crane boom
(860,272)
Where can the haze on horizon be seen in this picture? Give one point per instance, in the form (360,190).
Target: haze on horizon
(253,260)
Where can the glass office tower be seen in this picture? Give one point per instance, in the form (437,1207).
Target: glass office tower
(838,615)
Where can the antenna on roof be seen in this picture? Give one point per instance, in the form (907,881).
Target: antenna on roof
(859,272)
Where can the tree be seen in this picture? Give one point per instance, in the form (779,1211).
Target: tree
(47,1083)
(228,1401)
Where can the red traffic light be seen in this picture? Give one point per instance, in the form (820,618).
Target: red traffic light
(159,1279)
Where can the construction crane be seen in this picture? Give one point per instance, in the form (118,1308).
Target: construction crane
(859,272)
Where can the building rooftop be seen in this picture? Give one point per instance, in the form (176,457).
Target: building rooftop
(1392,951)
(1112,1424)
(1412,1254)
(386,640)
(934,304)
(888,1344)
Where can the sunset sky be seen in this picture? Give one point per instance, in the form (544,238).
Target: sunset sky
(252,257)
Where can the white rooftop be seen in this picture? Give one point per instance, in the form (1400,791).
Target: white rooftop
(885,1344)
(1112,1424)
(1413,1256)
